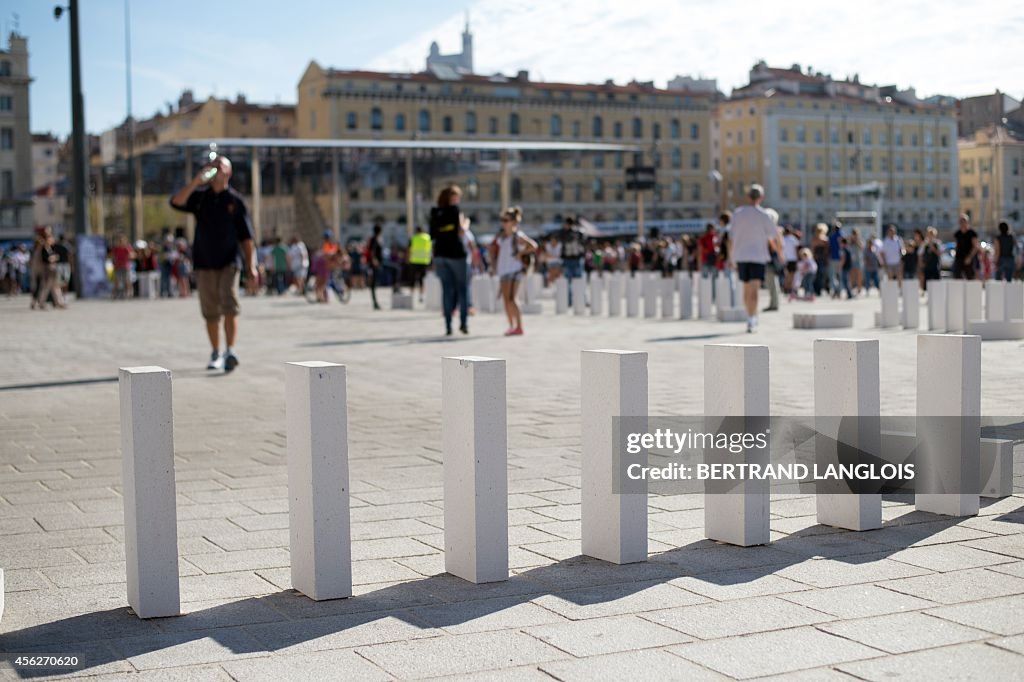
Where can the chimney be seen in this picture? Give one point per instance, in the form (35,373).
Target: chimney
(523,76)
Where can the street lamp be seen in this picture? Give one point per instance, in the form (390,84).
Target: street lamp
(79,174)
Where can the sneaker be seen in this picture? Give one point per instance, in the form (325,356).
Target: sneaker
(216,361)
(230,361)
(750,327)
(518,331)
(464,329)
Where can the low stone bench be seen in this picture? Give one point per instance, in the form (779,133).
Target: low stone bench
(992,330)
(732,315)
(823,319)
(401,301)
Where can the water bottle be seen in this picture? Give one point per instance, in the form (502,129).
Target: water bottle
(211,156)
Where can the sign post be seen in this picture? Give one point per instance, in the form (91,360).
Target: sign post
(639,179)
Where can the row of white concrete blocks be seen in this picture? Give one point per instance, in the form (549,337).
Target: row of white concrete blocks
(955,306)
(474,443)
(665,297)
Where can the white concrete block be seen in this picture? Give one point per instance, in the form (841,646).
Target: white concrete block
(614,526)
(723,296)
(319,534)
(890,290)
(561,296)
(997,331)
(846,384)
(531,288)
(973,309)
(651,288)
(668,298)
(492,290)
(996,474)
(596,295)
(432,291)
(937,305)
(685,296)
(149,285)
(579,295)
(147,479)
(531,308)
(823,319)
(911,313)
(401,300)
(736,384)
(732,315)
(615,295)
(704,287)
(1014,296)
(955,321)
(948,385)
(474,443)
(995,300)
(633,295)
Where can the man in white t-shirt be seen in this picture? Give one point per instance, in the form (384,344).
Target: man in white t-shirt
(892,252)
(752,229)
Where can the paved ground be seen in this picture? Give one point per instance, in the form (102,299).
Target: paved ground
(925,597)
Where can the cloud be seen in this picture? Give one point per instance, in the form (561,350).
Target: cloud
(941,46)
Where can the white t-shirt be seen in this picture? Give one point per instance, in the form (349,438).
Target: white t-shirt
(298,256)
(468,242)
(752,228)
(790,244)
(508,262)
(891,251)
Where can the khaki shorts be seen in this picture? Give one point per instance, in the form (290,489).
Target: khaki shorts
(218,292)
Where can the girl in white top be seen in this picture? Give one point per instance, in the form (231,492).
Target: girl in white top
(510,246)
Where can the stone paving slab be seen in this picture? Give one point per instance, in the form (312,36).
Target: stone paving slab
(924,596)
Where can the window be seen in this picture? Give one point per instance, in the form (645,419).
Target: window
(638,127)
(7,185)
(576,129)
(867,136)
(424,121)
(619,159)
(849,137)
(868,164)
(785,191)
(801,134)
(818,138)
(312,119)
(677,158)
(695,192)
(852,163)
(399,121)
(677,190)
(945,165)
(656,130)
(899,164)
(5,68)
(984,191)
(695,160)
(694,131)
(819,191)
(835,162)
(884,164)
(617,130)
(930,191)
(6,103)
(928,138)
(351,120)
(899,138)
(517,189)
(739,137)
(913,165)
(944,141)
(945,192)
(913,139)
(1014,166)
(598,188)
(492,125)
(446,124)
(929,164)
(752,138)
(674,129)
(801,161)
(834,136)
(471,122)
(784,162)
(599,161)
(818,164)
(557,190)
(513,123)
(577,192)
(783,135)
(556,125)
(376,119)
(597,127)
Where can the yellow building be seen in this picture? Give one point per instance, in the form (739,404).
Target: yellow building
(992,177)
(802,134)
(672,126)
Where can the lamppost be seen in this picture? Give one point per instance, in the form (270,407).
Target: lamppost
(130,121)
(79,174)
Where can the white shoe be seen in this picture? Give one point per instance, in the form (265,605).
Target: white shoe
(216,361)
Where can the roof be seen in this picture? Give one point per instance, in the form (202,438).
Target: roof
(478,145)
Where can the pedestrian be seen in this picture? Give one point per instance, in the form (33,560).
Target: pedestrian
(419,258)
(931,252)
(298,263)
(222,231)
(856,274)
(835,250)
(966,249)
(1004,256)
(872,264)
(707,253)
(845,264)
(447,225)
(374,256)
(474,265)
(65,265)
(509,250)
(911,256)
(45,258)
(892,254)
(573,251)
(806,273)
(122,256)
(752,229)
(820,252)
(725,266)
(774,267)
(790,249)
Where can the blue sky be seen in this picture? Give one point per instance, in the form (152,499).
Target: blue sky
(223,47)
(260,48)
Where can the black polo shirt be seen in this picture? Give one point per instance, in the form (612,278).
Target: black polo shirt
(222,224)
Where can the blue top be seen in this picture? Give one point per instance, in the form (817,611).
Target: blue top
(833,244)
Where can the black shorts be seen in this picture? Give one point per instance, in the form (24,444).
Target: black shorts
(749,271)
(791,267)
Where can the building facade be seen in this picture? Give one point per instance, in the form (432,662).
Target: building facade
(984,110)
(992,177)
(802,135)
(16,212)
(49,197)
(671,126)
